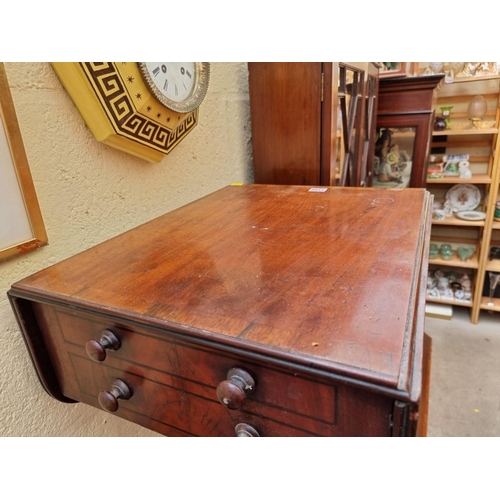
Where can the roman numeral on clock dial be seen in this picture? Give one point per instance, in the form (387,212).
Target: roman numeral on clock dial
(175,80)
(180,86)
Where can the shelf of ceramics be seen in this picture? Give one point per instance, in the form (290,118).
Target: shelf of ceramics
(471,263)
(466,131)
(483,149)
(485,301)
(492,265)
(475,179)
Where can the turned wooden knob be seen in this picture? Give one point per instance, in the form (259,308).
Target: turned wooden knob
(97,350)
(233,391)
(246,431)
(109,399)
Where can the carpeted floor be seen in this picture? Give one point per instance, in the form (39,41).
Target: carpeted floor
(465,375)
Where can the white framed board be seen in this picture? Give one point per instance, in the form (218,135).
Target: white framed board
(21,223)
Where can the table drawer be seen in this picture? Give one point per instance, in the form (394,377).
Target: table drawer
(157,404)
(175,382)
(202,365)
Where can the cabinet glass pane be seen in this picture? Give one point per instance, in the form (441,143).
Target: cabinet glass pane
(350,88)
(392,164)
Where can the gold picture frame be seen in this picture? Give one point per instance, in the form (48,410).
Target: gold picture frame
(21,224)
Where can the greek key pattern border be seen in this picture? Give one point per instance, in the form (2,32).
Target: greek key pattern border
(120,109)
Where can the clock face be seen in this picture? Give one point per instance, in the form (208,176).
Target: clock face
(181,86)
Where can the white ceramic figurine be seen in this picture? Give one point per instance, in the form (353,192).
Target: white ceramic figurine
(464,170)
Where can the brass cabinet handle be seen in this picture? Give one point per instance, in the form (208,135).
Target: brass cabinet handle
(233,392)
(109,399)
(96,350)
(245,430)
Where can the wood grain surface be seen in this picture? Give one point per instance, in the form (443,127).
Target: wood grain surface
(325,279)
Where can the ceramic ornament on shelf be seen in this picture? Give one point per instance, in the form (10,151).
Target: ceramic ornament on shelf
(472,215)
(476,110)
(463,197)
(464,171)
(465,253)
(452,164)
(436,67)
(448,212)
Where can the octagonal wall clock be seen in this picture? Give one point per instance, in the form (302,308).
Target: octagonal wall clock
(145,109)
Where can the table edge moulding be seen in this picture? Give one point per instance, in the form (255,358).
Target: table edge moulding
(256,310)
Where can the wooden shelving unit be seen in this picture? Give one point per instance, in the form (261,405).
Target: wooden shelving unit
(483,147)
(466,131)
(476,179)
(485,304)
(472,263)
(451,221)
(493,265)
(449,302)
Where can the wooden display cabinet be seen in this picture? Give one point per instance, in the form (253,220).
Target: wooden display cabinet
(405,115)
(313,123)
(483,149)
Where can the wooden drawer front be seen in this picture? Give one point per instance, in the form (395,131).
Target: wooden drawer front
(175,382)
(202,366)
(156,405)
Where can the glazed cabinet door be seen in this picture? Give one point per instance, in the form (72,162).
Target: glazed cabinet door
(405,113)
(349,123)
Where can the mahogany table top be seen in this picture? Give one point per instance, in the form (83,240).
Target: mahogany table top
(324,277)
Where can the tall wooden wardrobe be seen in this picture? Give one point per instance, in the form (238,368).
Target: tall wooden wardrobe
(313,123)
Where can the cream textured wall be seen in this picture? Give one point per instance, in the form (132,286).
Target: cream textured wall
(88,193)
